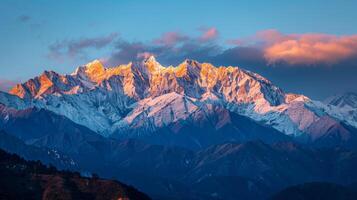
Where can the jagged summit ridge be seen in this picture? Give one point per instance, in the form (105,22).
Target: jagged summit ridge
(145,97)
(150,78)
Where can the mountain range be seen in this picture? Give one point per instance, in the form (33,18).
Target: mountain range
(147,100)
(181,132)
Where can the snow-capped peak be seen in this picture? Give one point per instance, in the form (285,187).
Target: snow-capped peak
(95,70)
(151,58)
(346,100)
(152,65)
(95,65)
(99,97)
(151,78)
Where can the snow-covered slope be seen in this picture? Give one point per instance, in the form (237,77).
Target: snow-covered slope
(342,107)
(144,97)
(347,100)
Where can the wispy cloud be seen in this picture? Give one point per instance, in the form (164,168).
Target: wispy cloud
(77,47)
(170,47)
(170,39)
(6,85)
(24,18)
(208,34)
(169,54)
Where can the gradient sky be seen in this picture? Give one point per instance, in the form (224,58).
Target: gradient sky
(60,35)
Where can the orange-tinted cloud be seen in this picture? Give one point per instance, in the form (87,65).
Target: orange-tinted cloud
(208,34)
(170,39)
(312,49)
(305,49)
(5,85)
(261,38)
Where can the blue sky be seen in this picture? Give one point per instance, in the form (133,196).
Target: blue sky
(30,28)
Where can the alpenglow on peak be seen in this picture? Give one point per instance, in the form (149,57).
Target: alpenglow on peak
(149,78)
